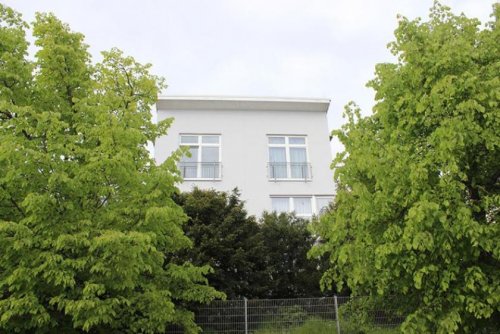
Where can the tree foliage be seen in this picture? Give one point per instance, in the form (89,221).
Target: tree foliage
(418,201)
(86,217)
(267,259)
(289,273)
(226,238)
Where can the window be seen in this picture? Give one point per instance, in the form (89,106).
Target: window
(300,205)
(205,160)
(280,204)
(322,204)
(303,206)
(288,158)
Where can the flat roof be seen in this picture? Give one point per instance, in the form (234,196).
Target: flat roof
(241,103)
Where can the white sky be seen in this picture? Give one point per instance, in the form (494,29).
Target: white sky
(283,48)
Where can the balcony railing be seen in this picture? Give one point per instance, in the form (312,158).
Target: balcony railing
(201,170)
(289,171)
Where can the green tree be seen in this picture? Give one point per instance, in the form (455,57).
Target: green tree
(289,273)
(254,260)
(418,200)
(226,238)
(86,217)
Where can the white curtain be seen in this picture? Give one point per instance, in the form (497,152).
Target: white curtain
(298,166)
(210,139)
(280,204)
(297,140)
(277,163)
(189,165)
(210,162)
(302,205)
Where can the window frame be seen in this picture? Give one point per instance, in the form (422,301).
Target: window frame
(291,204)
(315,211)
(200,144)
(287,146)
(318,209)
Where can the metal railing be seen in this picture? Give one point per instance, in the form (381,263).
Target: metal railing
(200,170)
(289,171)
(301,315)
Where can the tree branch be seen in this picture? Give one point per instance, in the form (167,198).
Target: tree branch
(13,202)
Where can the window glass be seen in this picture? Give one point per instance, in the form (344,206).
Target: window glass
(209,154)
(189,165)
(276,140)
(193,150)
(288,158)
(277,163)
(297,141)
(210,139)
(280,204)
(298,154)
(204,161)
(299,168)
(322,203)
(189,139)
(277,154)
(302,205)
(209,165)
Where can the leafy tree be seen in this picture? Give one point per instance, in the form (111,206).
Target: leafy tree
(289,273)
(85,214)
(226,238)
(417,207)
(253,260)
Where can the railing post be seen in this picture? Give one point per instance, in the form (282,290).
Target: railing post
(336,313)
(246,315)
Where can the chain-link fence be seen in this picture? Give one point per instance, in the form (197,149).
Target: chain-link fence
(303,315)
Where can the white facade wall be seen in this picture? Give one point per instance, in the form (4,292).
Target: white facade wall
(244,135)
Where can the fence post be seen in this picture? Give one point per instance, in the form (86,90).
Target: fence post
(246,315)
(336,313)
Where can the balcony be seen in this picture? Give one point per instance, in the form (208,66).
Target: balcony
(289,171)
(200,170)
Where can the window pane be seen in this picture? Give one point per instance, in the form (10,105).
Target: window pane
(299,171)
(193,150)
(297,140)
(210,162)
(189,165)
(298,154)
(322,203)
(280,204)
(210,154)
(189,139)
(302,205)
(298,163)
(277,163)
(276,140)
(210,139)
(210,170)
(277,154)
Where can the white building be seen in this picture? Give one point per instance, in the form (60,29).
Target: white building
(275,150)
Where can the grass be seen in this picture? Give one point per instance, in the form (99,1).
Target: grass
(312,325)
(320,326)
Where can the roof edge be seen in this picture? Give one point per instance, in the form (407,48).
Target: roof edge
(241,103)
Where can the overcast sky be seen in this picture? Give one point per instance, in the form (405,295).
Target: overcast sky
(282,48)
